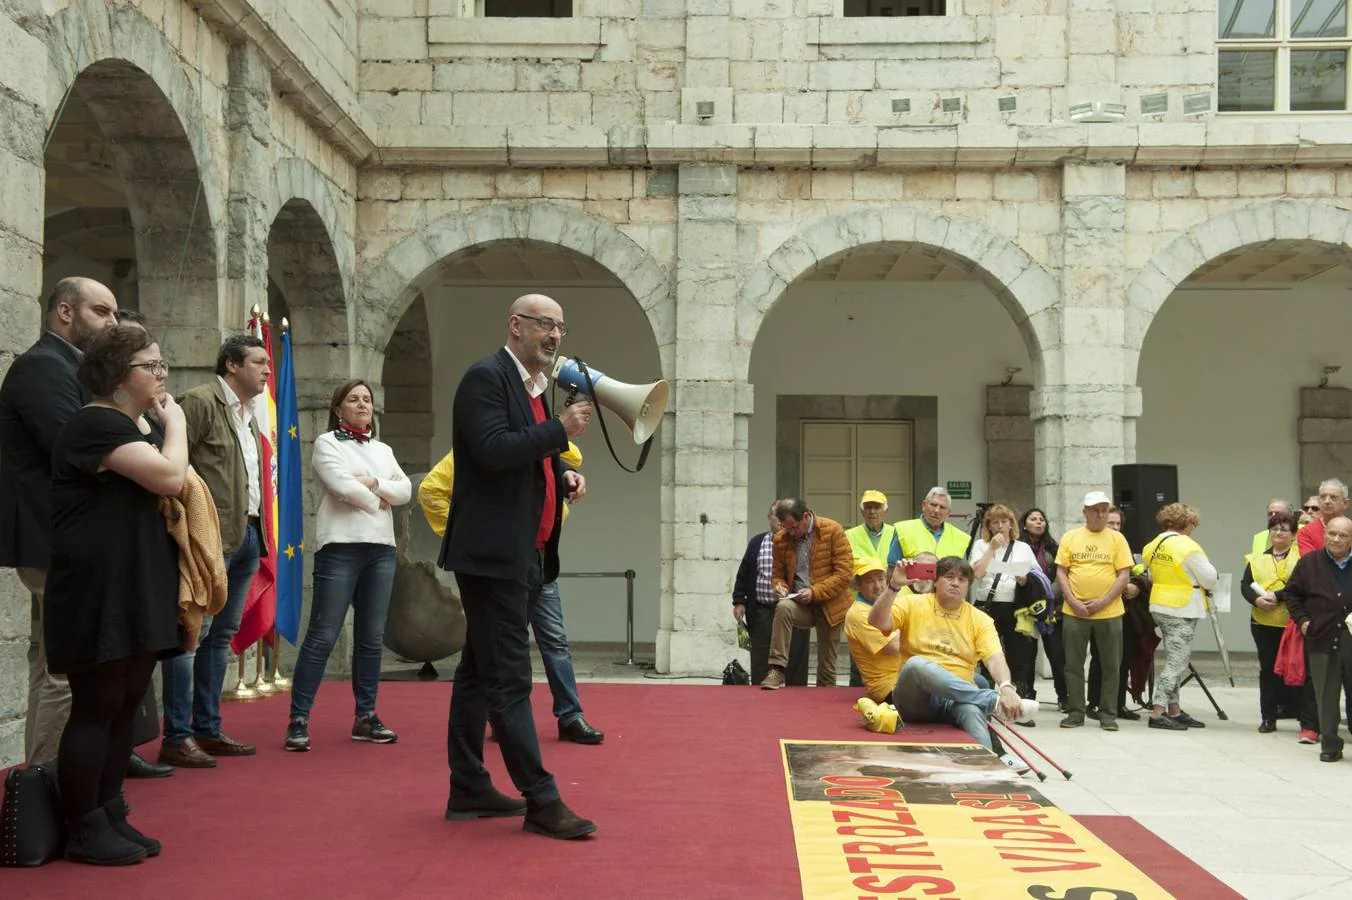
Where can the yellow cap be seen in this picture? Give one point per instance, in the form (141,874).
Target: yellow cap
(866,564)
(873,497)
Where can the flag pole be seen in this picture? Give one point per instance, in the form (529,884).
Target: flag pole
(279,681)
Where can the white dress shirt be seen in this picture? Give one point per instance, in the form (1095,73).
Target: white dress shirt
(535,384)
(241,414)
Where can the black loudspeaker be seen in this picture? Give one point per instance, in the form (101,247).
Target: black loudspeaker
(1141,491)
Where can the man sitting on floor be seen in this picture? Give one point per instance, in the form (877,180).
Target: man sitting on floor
(939,639)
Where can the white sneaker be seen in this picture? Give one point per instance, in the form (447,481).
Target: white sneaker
(1019,766)
(1027,712)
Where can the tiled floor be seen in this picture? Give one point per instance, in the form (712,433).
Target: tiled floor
(1258,811)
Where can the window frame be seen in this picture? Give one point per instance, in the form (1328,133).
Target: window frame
(1283,44)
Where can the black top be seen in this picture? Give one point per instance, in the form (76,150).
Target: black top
(39,394)
(499,494)
(112,589)
(1318,592)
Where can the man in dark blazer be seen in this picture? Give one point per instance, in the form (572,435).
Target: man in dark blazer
(39,394)
(502,542)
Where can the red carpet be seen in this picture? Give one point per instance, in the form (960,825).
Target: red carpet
(688,790)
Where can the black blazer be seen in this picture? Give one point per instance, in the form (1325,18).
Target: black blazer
(499,492)
(1314,595)
(40,393)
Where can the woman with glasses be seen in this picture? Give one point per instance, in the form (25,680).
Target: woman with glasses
(1265,574)
(354,561)
(112,591)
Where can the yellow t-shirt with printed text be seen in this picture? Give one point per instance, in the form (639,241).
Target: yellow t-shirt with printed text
(1091,560)
(956,640)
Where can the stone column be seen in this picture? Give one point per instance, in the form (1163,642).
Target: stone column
(1325,435)
(250,134)
(1084,414)
(1009,445)
(23,72)
(705,506)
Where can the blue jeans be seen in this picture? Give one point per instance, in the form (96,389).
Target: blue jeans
(927,692)
(546,620)
(356,575)
(193,681)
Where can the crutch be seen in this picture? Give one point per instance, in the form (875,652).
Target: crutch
(1006,732)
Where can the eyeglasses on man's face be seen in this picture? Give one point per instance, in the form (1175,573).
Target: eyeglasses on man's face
(546,323)
(1314,508)
(156,367)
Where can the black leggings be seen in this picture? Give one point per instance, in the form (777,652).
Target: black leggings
(97,741)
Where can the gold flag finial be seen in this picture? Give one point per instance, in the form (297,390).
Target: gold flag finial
(255,311)
(286,326)
(266,319)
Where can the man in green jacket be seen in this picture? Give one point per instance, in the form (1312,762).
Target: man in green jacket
(931,533)
(223,447)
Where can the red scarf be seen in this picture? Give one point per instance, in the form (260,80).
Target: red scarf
(345,432)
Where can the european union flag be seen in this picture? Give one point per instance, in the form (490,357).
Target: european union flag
(290,504)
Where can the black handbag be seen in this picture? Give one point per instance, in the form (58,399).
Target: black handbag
(733,673)
(32,830)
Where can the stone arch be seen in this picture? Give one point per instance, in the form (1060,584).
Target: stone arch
(298,179)
(1259,225)
(1025,289)
(397,280)
(136,86)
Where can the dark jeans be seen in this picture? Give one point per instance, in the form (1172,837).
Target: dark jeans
(1020,650)
(1273,691)
(1130,644)
(760,622)
(1055,648)
(193,681)
(546,620)
(493,682)
(1077,633)
(1331,671)
(96,742)
(355,575)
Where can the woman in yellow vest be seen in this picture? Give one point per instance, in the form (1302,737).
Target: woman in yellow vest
(1181,576)
(1264,576)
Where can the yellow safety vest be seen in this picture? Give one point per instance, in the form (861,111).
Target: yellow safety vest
(1270,574)
(862,544)
(915,538)
(1170,584)
(1261,541)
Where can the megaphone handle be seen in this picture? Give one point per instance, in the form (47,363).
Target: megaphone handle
(571,398)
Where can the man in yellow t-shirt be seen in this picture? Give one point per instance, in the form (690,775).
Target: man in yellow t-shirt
(1093,566)
(938,639)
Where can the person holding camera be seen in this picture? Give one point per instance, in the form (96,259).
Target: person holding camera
(994,594)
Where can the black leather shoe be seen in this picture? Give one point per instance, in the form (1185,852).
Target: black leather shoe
(1267,726)
(140,767)
(557,821)
(579,732)
(1330,756)
(493,805)
(1130,715)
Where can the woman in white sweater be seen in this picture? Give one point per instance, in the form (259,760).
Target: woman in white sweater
(354,561)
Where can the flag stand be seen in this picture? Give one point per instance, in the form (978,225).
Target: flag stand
(243,692)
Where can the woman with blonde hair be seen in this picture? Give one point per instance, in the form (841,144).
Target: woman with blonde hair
(1180,575)
(354,561)
(994,593)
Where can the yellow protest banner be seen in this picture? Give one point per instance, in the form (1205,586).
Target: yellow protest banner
(947,821)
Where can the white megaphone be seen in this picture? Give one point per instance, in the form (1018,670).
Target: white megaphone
(640,406)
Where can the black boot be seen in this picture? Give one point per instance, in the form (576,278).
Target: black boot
(557,821)
(91,839)
(117,810)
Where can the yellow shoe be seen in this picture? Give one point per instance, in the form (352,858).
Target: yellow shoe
(878,717)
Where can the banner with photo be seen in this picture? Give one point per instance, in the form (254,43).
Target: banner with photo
(908,820)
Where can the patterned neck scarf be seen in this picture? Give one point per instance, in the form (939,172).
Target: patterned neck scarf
(345,432)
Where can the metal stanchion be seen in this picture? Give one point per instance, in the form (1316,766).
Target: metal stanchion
(628,575)
(264,687)
(242,691)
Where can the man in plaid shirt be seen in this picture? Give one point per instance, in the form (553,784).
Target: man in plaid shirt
(753,602)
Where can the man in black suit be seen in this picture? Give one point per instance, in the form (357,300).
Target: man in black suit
(39,394)
(502,542)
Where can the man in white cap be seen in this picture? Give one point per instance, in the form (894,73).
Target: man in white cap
(1093,566)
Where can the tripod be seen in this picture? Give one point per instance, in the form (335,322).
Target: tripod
(1193,674)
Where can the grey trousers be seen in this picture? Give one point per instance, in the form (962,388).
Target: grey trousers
(1331,670)
(48,694)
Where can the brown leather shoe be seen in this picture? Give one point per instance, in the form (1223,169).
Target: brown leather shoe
(223,745)
(187,755)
